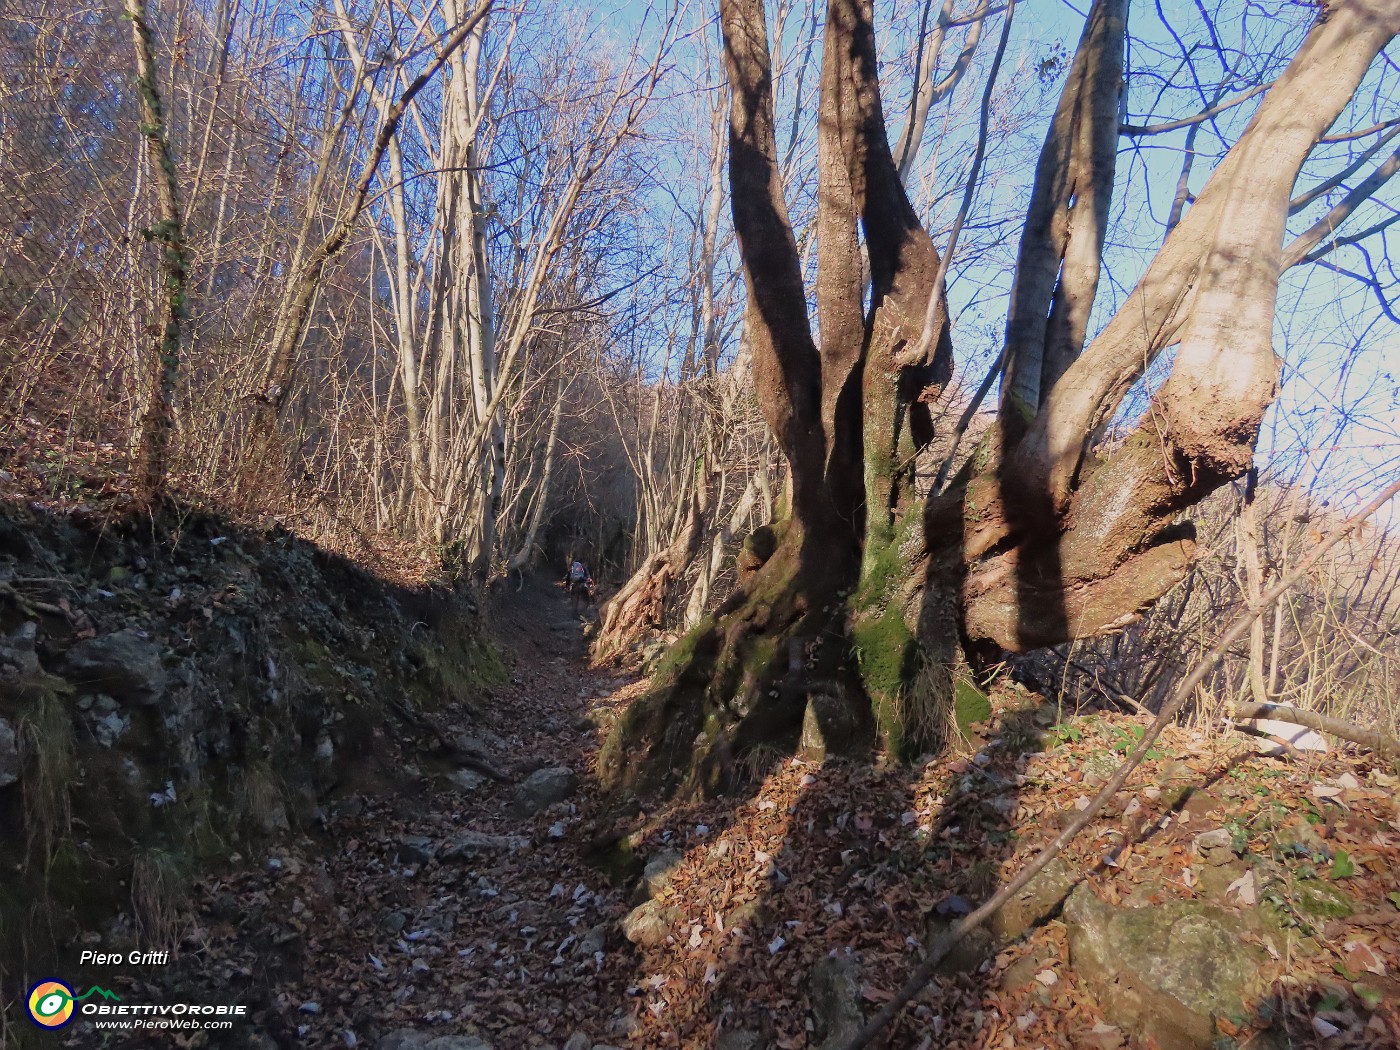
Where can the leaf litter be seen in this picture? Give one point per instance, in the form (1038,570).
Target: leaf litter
(521,946)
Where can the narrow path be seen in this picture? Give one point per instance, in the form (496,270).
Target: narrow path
(458,906)
(449,911)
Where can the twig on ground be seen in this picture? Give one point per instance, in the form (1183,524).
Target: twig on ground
(1372,738)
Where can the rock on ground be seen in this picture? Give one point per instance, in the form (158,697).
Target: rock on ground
(580,1041)
(649,925)
(416,849)
(405,1039)
(466,779)
(1167,971)
(9,754)
(1036,902)
(122,664)
(542,788)
(737,1040)
(835,996)
(468,845)
(659,871)
(828,726)
(17,655)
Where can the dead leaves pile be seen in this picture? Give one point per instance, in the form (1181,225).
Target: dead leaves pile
(840,859)
(845,860)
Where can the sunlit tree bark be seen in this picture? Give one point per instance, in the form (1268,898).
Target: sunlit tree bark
(169,236)
(874,607)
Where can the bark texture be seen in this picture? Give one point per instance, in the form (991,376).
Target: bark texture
(168,234)
(864,604)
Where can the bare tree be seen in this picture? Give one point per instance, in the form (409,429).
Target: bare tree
(873,602)
(169,235)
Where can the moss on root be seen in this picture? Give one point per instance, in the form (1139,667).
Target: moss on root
(652,743)
(970,705)
(909,696)
(723,689)
(682,653)
(887,658)
(729,689)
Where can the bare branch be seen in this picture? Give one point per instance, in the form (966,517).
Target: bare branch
(1377,741)
(1141,130)
(936,298)
(1348,136)
(1363,191)
(1301,201)
(1058,261)
(927,92)
(292,324)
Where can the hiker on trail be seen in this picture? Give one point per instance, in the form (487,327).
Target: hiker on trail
(580,584)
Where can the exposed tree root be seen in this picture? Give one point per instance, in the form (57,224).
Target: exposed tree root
(739,685)
(940,949)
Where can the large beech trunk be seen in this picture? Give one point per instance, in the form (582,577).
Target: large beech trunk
(871,605)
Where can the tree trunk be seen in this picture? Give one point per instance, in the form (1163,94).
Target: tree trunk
(855,611)
(168,235)
(294,308)
(522,556)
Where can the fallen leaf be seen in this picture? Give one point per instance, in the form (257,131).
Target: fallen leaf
(1363,956)
(1326,1029)
(1243,888)
(1342,867)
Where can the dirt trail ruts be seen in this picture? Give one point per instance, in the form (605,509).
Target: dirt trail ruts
(437,905)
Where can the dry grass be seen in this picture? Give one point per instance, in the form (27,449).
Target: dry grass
(159,890)
(46,750)
(1328,646)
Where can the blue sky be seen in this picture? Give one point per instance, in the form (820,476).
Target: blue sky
(1337,419)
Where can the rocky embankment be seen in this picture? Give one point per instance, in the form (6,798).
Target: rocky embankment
(174,695)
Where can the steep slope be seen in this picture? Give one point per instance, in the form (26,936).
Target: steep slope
(173,694)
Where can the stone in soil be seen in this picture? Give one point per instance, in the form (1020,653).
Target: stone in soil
(122,664)
(466,779)
(1164,972)
(415,849)
(1036,902)
(542,789)
(659,872)
(649,925)
(835,996)
(9,754)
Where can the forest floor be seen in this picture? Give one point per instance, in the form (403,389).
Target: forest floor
(457,906)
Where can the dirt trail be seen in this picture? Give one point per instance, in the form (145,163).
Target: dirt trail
(431,911)
(442,906)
